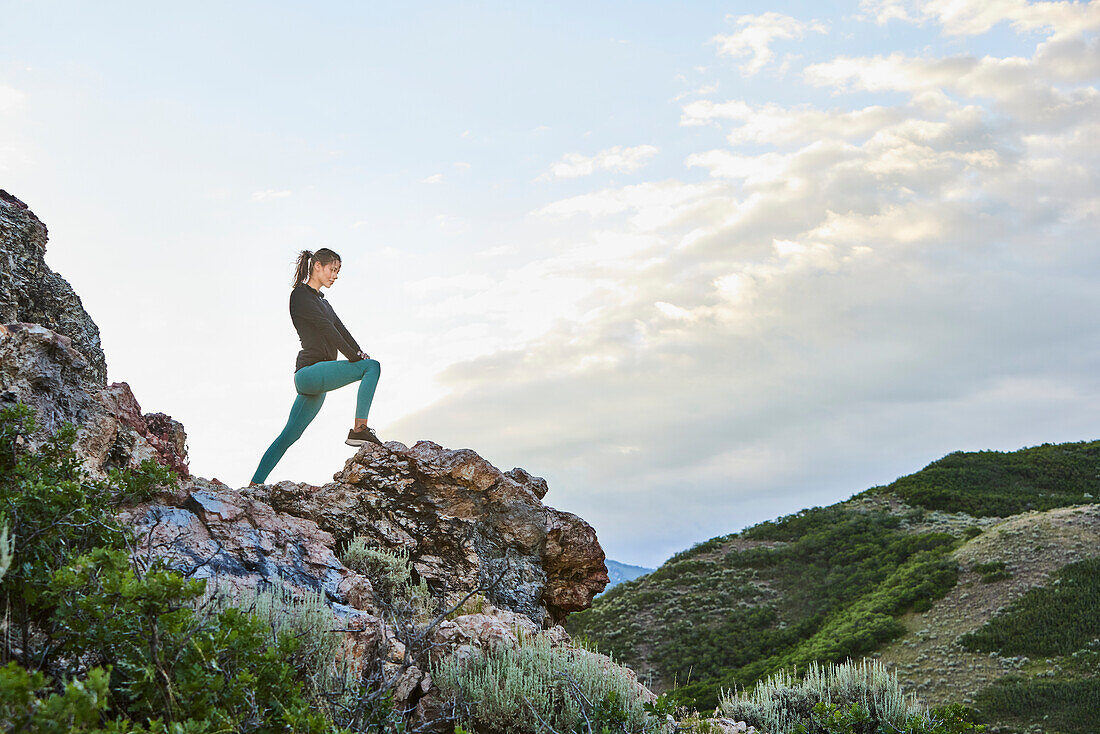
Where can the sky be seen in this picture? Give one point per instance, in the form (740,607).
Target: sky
(698,264)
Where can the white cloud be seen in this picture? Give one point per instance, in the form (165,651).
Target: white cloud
(269,194)
(618,159)
(975,17)
(433,179)
(755,35)
(838,299)
(651,205)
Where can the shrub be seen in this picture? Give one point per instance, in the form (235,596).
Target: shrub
(783,701)
(537,686)
(1056,619)
(309,621)
(390,573)
(992,571)
(1068,706)
(999,484)
(169,662)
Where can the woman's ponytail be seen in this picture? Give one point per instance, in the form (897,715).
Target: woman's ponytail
(301,271)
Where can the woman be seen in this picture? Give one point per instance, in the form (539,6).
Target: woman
(317,370)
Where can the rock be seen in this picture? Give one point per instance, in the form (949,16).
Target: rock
(208,531)
(463,523)
(31,292)
(164,435)
(722,725)
(40,368)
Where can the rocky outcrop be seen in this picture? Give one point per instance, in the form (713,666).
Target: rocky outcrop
(466,526)
(39,368)
(32,293)
(463,522)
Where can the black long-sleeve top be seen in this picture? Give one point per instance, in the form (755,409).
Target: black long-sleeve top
(319,328)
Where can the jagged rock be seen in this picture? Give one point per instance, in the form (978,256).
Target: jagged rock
(40,368)
(463,522)
(210,531)
(165,435)
(32,293)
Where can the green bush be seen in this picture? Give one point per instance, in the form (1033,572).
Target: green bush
(308,620)
(537,686)
(1062,706)
(999,484)
(992,571)
(779,703)
(390,573)
(1055,619)
(845,698)
(27,703)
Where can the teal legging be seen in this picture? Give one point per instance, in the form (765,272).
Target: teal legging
(312,383)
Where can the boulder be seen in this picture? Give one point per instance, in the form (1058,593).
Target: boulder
(463,522)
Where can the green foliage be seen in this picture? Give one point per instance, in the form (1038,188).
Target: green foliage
(390,573)
(992,571)
(75,595)
(307,620)
(169,661)
(999,484)
(56,511)
(845,698)
(28,705)
(1066,706)
(854,718)
(527,689)
(783,701)
(1056,619)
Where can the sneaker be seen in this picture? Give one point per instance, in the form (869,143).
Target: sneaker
(358,437)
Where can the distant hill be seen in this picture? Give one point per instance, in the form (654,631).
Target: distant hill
(620,572)
(930,573)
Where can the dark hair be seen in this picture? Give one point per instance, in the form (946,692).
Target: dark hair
(306,260)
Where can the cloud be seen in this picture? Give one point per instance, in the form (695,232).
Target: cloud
(617,159)
(755,35)
(975,17)
(847,293)
(269,194)
(433,179)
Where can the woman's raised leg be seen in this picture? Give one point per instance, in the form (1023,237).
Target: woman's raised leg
(324,376)
(302,414)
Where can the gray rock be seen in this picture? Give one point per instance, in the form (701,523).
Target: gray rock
(31,292)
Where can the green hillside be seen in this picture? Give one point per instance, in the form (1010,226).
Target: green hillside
(831,582)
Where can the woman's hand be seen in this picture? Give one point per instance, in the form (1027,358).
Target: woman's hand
(364,355)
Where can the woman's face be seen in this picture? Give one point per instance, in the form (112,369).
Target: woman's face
(328,273)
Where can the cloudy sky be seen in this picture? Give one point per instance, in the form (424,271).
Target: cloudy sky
(698,264)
